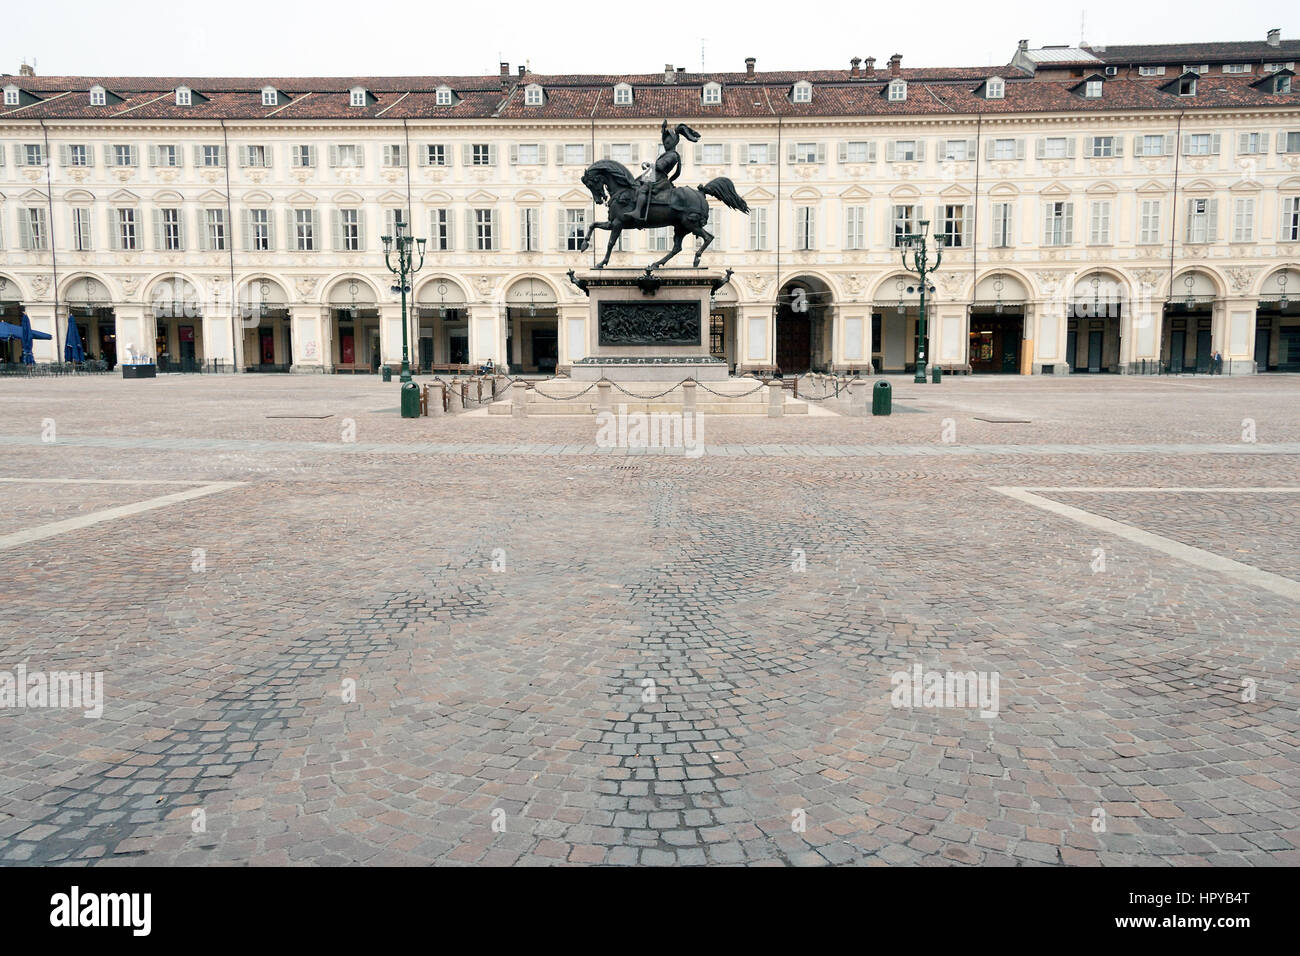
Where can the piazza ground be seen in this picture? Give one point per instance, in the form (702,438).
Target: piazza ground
(496,593)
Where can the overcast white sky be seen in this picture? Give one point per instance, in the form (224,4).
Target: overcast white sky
(333,37)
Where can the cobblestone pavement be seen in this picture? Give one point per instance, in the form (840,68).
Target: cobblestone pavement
(423,647)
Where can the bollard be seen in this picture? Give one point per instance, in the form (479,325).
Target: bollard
(519,401)
(436,399)
(775,400)
(688,396)
(455,403)
(882,399)
(603,392)
(857,397)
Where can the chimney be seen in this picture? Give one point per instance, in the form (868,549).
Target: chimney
(896,64)
(1024,46)
(669,76)
(1275,37)
(855,67)
(681,71)
(505,76)
(749,65)
(522,69)
(26,70)
(871,67)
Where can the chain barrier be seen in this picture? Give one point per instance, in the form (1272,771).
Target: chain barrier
(649,398)
(757,388)
(565,398)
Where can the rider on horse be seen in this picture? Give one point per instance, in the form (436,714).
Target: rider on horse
(666,168)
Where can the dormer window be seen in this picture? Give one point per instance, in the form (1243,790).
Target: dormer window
(1092,89)
(98,97)
(897,91)
(995,88)
(1282,84)
(712,93)
(358,96)
(1187,85)
(802,92)
(270,96)
(11,96)
(533,95)
(183,96)
(443,96)
(623,95)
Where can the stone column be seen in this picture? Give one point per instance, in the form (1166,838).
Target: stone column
(131,332)
(43,320)
(484,333)
(756,334)
(1238,348)
(603,391)
(435,399)
(948,334)
(573,333)
(1049,328)
(390,334)
(308,351)
(688,396)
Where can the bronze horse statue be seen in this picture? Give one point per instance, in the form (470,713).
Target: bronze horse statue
(686,210)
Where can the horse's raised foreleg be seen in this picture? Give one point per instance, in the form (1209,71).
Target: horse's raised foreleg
(586,240)
(708,238)
(678,235)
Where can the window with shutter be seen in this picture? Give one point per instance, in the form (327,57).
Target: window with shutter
(1058,224)
(1002,224)
(1099,223)
(1289,226)
(952,223)
(758,228)
(1243,220)
(1149,223)
(855,227)
(81,231)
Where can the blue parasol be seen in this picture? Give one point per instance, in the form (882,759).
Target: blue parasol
(72,350)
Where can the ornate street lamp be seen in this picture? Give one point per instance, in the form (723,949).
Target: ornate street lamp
(921,265)
(406,266)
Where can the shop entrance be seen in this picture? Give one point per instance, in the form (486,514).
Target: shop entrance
(995,343)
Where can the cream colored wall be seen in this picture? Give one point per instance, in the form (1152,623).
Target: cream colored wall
(1238,269)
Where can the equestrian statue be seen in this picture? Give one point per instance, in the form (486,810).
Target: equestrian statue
(651,200)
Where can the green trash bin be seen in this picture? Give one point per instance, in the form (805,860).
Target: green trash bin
(388,374)
(410,400)
(936,375)
(882,398)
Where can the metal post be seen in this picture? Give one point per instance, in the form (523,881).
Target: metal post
(922,267)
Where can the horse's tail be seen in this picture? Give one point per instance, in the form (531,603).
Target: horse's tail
(724,189)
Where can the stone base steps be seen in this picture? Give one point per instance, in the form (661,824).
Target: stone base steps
(582,407)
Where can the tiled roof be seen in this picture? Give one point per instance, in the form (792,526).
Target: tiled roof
(936,91)
(1199,52)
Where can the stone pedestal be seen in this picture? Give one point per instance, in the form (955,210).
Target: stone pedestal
(649,327)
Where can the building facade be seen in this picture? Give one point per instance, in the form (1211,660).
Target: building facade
(1115,209)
